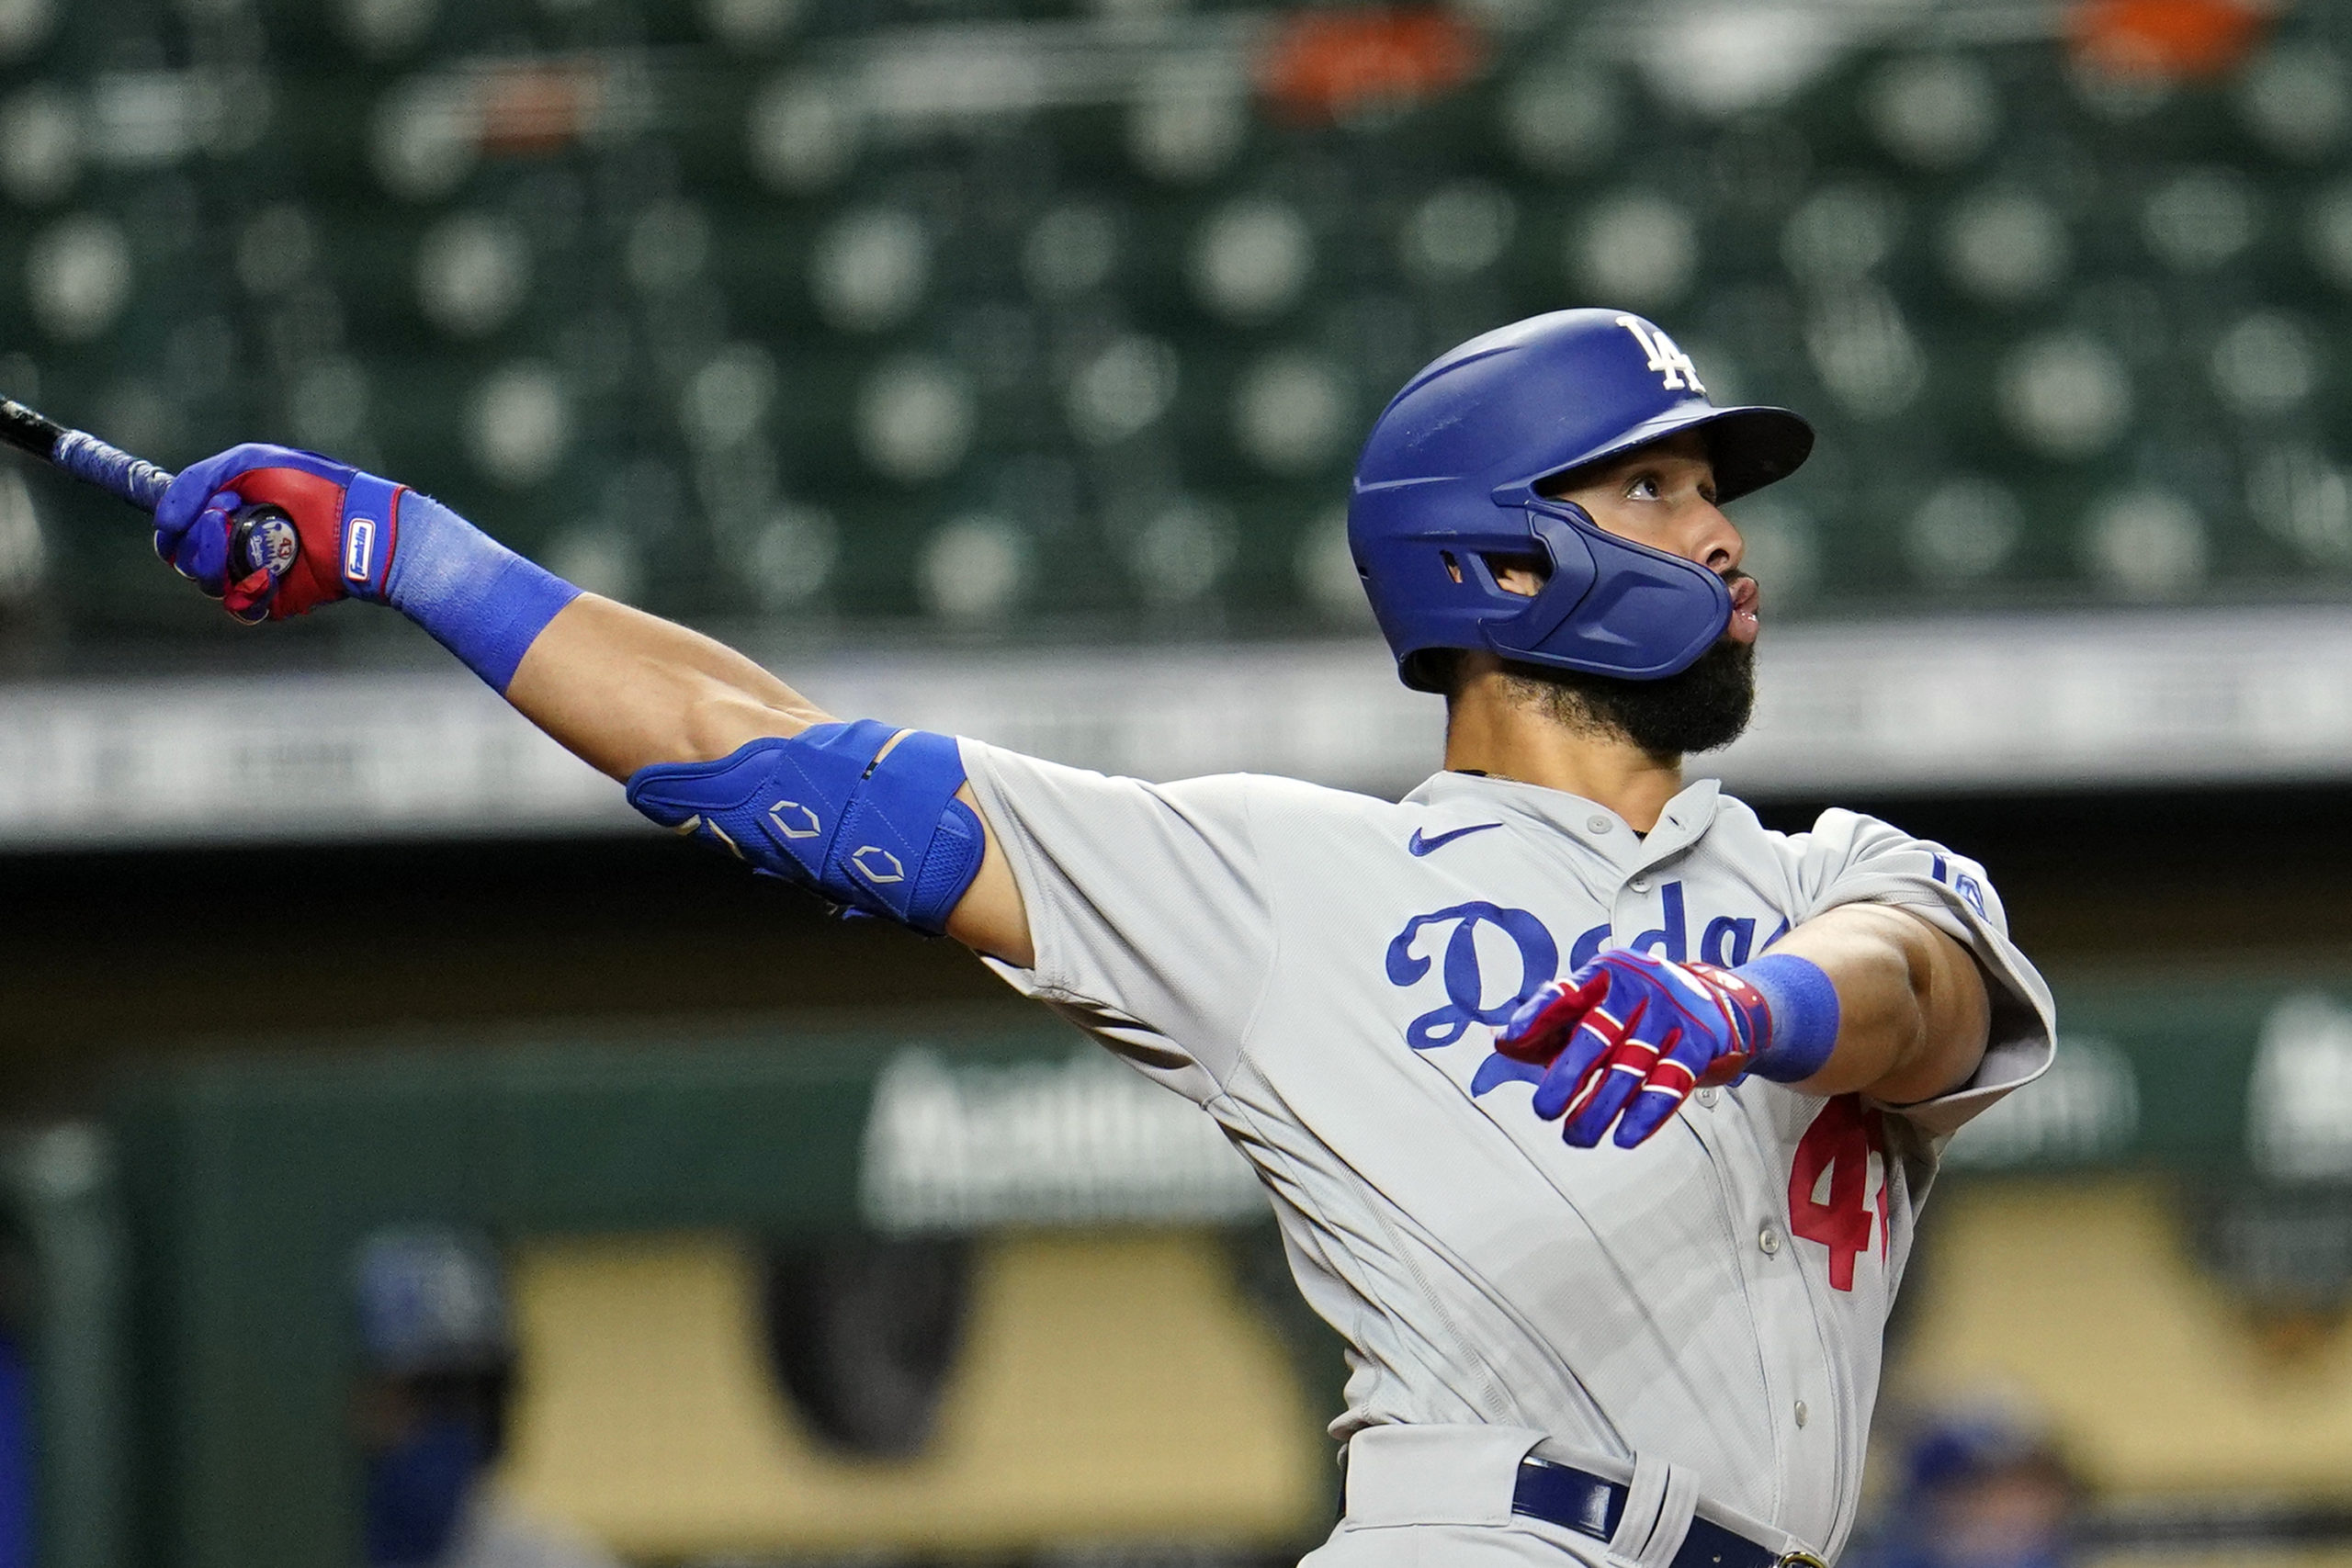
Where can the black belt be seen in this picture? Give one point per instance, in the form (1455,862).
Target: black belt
(1564,1495)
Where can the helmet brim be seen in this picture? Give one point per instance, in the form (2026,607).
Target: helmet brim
(1751,447)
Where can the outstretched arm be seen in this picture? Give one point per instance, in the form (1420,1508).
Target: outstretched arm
(622,690)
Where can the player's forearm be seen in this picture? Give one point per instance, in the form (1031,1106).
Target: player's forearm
(622,689)
(1913,1014)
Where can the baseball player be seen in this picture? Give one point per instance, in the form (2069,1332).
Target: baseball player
(430,1407)
(1595,1116)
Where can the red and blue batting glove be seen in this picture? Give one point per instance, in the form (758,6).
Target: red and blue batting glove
(1635,1035)
(357,536)
(345,523)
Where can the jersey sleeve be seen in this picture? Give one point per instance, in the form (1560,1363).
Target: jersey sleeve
(1146,910)
(1853,859)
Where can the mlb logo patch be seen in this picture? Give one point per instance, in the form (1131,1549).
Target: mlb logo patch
(1971,892)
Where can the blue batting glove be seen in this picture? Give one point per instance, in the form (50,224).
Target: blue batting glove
(343,529)
(355,535)
(1626,1038)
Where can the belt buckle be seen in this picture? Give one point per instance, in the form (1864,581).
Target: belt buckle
(1799,1560)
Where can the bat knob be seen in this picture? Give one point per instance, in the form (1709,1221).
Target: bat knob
(262,538)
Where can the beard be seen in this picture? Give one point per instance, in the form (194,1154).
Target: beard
(1699,709)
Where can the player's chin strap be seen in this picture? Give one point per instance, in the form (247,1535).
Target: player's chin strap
(861,813)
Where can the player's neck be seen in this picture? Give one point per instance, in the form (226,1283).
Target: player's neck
(1492,730)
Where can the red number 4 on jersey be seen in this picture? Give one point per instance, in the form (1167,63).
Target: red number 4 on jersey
(1841,1141)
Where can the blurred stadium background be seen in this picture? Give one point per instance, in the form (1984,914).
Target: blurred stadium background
(996,365)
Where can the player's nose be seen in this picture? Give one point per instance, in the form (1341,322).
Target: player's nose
(1710,538)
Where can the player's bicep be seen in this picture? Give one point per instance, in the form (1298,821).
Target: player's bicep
(1955,1018)
(1981,1018)
(990,917)
(1912,1007)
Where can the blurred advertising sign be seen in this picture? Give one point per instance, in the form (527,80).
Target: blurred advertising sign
(2299,1108)
(957,1144)
(2237,1077)
(2086,1109)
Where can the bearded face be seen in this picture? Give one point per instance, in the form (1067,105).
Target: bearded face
(1703,707)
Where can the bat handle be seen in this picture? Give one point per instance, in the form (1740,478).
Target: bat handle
(262,538)
(119,473)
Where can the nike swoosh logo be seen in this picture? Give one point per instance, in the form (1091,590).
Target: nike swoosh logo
(1420,845)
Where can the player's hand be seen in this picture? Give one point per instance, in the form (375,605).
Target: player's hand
(344,550)
(1634,1035)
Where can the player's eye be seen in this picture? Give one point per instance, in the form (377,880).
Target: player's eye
(1645,487)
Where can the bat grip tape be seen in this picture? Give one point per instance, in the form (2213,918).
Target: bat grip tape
(119,473)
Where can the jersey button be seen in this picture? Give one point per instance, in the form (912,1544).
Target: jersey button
(1802,1413)
(1706,1097)
(1768,1241)
(1595,824)
(1639,885)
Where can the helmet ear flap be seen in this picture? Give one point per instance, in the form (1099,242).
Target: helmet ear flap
(1571,576)
(1570,553)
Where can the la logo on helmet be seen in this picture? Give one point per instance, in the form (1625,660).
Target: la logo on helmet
(1665,358)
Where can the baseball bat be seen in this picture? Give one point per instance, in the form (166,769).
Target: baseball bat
(261,537)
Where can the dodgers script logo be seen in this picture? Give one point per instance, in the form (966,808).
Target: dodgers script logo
(1487,947)
(1465,981)
(1539,960)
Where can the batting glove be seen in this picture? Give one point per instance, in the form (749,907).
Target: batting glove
(355,535)
(344,527)
(1635,1035)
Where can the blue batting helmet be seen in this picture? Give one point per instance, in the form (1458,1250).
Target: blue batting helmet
(1451,473)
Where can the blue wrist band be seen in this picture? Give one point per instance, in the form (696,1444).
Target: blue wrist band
(478,598)
(1804,1006)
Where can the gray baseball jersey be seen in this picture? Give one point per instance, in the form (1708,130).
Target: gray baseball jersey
(1324,973)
